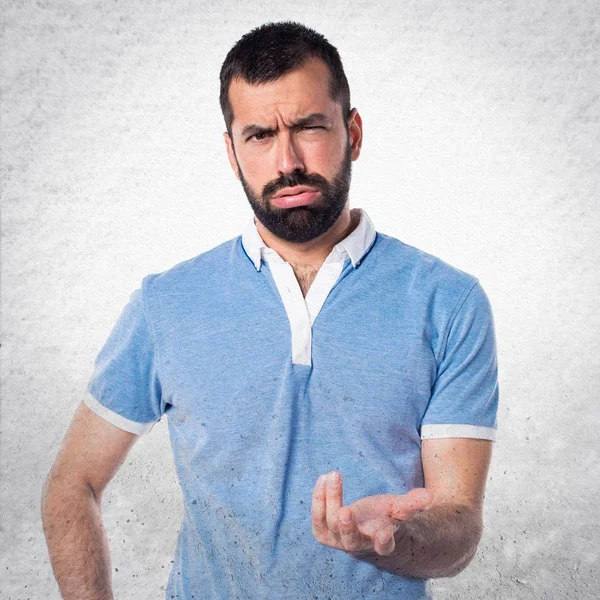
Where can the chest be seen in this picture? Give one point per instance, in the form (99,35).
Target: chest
(367,372)
(238,398)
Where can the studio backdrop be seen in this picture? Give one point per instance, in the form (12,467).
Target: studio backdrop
(481,144)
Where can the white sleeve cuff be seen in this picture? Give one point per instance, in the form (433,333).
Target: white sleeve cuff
(115,419)
(431,432)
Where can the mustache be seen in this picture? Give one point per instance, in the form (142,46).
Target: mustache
(294,179)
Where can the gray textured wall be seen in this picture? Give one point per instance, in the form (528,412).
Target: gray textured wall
(481,146)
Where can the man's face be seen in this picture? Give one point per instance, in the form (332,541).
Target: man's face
(292,150)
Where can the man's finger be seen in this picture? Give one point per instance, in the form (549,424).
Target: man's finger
(409,504)
(384,542)
(334,493)
(351,538)
(318,510)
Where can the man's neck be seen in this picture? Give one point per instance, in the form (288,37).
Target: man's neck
(314,252)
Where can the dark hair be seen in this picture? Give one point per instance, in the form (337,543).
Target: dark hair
(271,50)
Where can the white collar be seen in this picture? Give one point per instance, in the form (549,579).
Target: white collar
(354,246)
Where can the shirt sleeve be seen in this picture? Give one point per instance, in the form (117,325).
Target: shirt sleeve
(464,399)
(125,387)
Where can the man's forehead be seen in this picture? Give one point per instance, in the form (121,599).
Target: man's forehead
(295,95)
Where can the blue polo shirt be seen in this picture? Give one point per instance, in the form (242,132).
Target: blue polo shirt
(264,390)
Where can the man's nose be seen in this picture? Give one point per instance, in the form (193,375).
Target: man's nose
(289,158)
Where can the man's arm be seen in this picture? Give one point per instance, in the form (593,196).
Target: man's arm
(441,541)
(89,457)
(426,533)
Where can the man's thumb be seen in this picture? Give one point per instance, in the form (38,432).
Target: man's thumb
(417,500)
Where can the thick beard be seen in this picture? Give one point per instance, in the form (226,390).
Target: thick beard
(303,223)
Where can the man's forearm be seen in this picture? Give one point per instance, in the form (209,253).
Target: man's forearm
(439,542)
(76,540)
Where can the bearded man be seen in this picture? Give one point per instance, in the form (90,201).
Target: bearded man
(309,349)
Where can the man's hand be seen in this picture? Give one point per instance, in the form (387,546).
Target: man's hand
(367,525)
(409,535)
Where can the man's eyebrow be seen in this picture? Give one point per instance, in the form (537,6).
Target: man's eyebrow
(312,119)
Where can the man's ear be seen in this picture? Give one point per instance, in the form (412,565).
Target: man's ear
(355,130)
(231,154)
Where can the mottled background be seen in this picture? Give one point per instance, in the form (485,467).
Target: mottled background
(482,126)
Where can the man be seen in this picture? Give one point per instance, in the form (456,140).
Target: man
(311,347)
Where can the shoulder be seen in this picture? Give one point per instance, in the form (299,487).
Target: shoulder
(422,273)
(191,275)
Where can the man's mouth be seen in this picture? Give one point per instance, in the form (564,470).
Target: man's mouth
(300,195)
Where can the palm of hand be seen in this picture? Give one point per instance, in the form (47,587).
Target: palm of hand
(366,525)
(375,513)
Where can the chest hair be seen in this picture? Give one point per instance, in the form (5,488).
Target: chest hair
(305,274)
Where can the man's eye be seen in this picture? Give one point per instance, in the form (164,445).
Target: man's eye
(259,136)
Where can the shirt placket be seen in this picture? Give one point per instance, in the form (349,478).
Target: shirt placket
(326,278)
(302,312)
(295,307)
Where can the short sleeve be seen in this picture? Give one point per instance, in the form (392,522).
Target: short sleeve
(125,386)
(464,399)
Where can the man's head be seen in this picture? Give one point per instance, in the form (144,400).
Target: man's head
(291,135)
